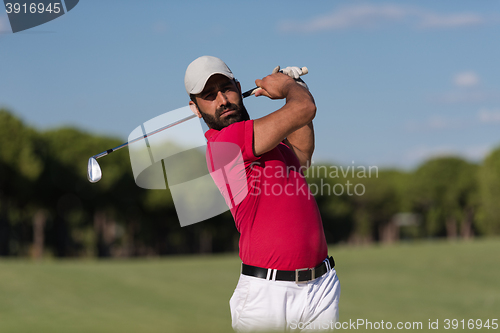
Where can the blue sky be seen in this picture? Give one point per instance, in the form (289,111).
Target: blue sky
(394,82)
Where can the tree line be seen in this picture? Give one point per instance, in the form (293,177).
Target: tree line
(48,208)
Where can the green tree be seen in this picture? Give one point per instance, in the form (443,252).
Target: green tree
(20,167)
(383,198)
(77,205)
(335,205)
(357,202)
(489,184)
(444,191)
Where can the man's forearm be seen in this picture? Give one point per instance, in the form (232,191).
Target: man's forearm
(297,113)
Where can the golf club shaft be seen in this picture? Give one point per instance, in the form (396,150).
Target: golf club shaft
(109,151)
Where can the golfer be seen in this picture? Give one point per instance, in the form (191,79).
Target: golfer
(287,280)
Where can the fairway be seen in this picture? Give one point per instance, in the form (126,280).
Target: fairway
(401,283)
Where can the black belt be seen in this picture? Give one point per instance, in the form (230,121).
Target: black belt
(298,275)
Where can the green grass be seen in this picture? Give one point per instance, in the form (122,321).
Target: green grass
(414,282)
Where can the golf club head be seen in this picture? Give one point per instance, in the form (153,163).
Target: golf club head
(94,173)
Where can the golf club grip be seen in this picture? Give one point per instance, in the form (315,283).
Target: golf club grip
(252,91)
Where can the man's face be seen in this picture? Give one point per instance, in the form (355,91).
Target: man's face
(220,103)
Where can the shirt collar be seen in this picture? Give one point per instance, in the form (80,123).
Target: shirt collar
(211,132)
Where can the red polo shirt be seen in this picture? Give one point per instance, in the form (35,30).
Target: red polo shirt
(277,216)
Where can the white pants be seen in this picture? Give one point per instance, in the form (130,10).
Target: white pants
(265,305)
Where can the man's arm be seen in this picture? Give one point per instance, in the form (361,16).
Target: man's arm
(301,142)
(293,121)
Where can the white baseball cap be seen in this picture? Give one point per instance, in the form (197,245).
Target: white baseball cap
(200,70)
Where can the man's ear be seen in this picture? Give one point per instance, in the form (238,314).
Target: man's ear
(238,85)
(194,108)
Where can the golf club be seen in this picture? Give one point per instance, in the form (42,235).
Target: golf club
(252,91)
(94,173)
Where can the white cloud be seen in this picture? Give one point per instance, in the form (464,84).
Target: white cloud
(466,79)
(348,17)
(468,89)
(160,27)
(455,97)
(489,116)
(440,123)
(372,16)
(431,20)
(436,123)
(477,153)
(422,153)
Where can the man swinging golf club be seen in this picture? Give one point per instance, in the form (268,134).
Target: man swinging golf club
(287,280)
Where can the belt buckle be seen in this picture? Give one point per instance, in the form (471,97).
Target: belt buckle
(313,273)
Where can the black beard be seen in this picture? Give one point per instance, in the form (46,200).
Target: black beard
(216,123)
